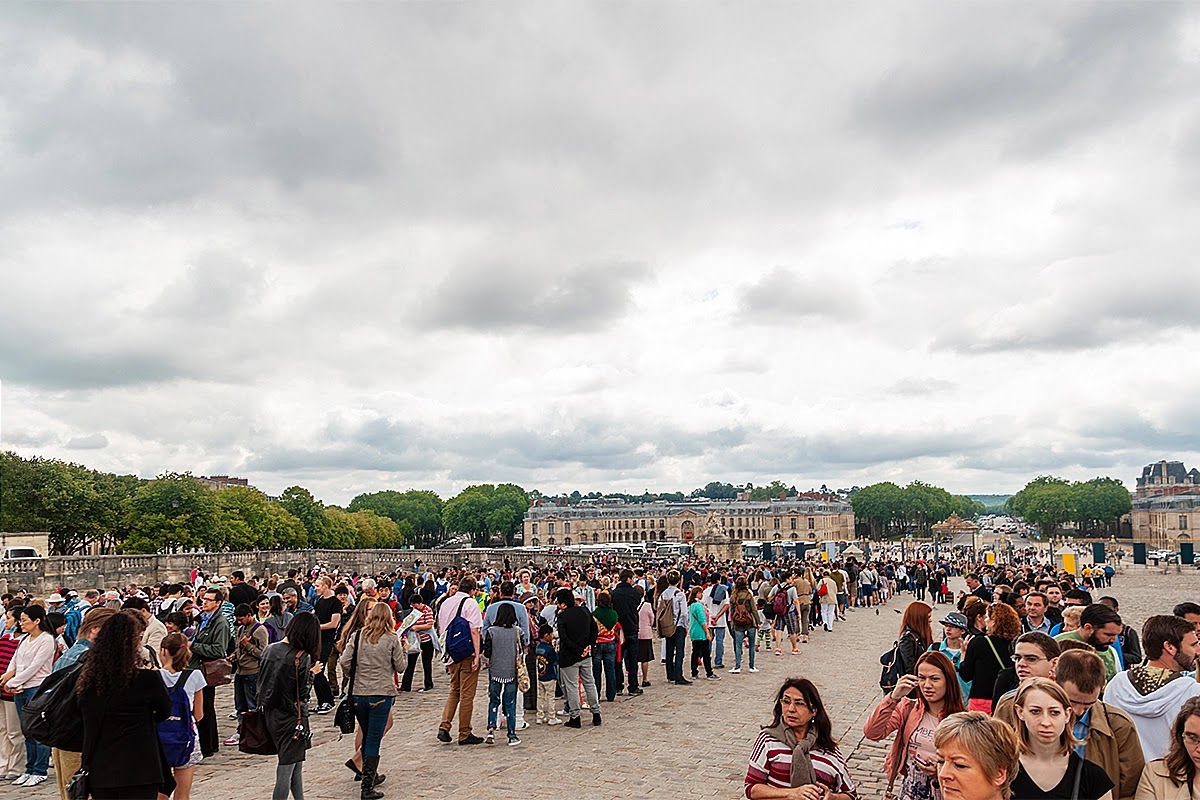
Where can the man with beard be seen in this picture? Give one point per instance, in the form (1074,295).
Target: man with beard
(1099,626)
(1152,694)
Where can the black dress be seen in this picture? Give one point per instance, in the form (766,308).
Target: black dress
(1093,783)
(120,730)
(277,693)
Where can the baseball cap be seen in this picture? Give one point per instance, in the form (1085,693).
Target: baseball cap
(956,619)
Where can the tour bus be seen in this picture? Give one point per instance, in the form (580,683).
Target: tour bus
(673,550)
(600,548)
(751,550)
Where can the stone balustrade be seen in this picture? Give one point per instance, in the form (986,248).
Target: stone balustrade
(44,575)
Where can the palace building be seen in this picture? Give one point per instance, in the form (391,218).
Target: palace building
(819,519)
(1166,508)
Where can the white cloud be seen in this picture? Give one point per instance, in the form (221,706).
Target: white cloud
(591,247)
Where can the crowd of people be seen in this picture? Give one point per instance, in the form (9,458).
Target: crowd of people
(1023,662)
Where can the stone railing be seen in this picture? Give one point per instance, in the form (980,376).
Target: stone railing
(44,575)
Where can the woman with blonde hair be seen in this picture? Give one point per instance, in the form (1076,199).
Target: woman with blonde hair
(375,654)
(1050,767)
(977,757)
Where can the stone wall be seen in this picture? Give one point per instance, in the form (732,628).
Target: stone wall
(44,575)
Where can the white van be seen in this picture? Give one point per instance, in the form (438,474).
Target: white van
(14,553)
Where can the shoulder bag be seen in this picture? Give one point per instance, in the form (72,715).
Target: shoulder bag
(343,718)
(254,738)
(217,672)
(522,669)
(995,652)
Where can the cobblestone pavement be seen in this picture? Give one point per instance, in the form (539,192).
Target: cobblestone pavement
(686,742)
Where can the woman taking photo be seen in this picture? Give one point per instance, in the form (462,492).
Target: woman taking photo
(421,629)
(174,655)
(376,655)
(977,757)
(1174,776)
(30,665)
(914,638)
(795,756)
(987,655)
(1050,767)
(285,679)
(914,721)
(120,706)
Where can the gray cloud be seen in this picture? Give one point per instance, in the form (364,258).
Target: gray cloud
(92,441)
(498,297)
(784,294)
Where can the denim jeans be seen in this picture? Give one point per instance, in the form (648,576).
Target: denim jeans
(739,636)
(37,755)
(673,652)
(245,692)
(604,658)
(372,714)
(509,691)
(718,646)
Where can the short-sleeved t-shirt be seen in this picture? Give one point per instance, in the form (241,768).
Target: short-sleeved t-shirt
(325,608)
(1093,783)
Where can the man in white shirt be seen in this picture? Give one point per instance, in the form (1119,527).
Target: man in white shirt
(716,603)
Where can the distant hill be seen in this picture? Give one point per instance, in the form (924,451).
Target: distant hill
(992,501)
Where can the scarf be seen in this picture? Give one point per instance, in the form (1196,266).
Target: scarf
(802,768)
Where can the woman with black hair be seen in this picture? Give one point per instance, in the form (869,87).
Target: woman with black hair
(797,751)
(504,642)
(285,680)
(30,665)
(121,705)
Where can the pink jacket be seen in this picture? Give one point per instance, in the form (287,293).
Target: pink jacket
(891,716)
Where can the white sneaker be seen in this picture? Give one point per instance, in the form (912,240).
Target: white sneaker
(735,670)
(522,725)
(21,780)
(554,721)
(752,669)
(34,780)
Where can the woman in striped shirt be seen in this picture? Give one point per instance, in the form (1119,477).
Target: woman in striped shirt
(795,756)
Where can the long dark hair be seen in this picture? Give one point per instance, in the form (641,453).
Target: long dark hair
(820,721)
(304,633)
(38,615)
(506,615)
(113,657)
(1177,761)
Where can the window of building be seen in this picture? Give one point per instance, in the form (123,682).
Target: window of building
(793,521)
(1183,522)
(533,529)
(550,529)
(812,523)
(595,538)
(662,523)
(643,524)
(550,541)
(776,521)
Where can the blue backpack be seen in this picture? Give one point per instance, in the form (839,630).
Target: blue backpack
(175,732)
(459,645)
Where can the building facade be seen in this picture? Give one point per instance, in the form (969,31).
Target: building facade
(1167,477)
(615,522)
(1164,521)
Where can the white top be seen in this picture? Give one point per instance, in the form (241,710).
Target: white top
(32,662)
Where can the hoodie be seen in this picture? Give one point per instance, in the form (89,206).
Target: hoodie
(1153,712)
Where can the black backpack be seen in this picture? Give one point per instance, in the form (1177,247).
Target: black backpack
(53,716)
(892,668)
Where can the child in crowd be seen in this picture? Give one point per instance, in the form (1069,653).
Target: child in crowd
(547,676)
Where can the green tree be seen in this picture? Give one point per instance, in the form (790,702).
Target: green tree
(1099,504)
(170,513)
(367,530)
(418,514)
(485,510)
(1046,501)
(311,512)
(247,520)
(880,505)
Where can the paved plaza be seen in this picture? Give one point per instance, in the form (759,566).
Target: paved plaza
(684,742)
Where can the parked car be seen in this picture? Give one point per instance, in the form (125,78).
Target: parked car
(16,553)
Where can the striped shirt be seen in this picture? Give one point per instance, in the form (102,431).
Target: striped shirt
(771,764)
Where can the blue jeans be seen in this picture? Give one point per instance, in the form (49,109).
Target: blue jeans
(673,653)
(245,692)
(509,690)
(738,637)
(37,755)
(604,657)
(372,713)
(718,646)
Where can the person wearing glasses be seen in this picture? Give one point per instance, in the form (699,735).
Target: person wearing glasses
(210,643)
(1173,777)
(1034,655)
(795,756)
(1108,736)
(1050,767)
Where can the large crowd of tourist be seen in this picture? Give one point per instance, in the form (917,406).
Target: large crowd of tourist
(1034,689)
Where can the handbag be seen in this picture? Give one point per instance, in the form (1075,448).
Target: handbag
(343,718)
(522,669)
(253,736)
(217,672)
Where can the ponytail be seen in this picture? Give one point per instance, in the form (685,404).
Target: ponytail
(176,646)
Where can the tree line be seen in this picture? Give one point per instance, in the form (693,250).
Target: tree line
(1093,507)
(82,508)
(888,509)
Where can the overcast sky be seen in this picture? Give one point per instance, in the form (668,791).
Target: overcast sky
(601,246)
